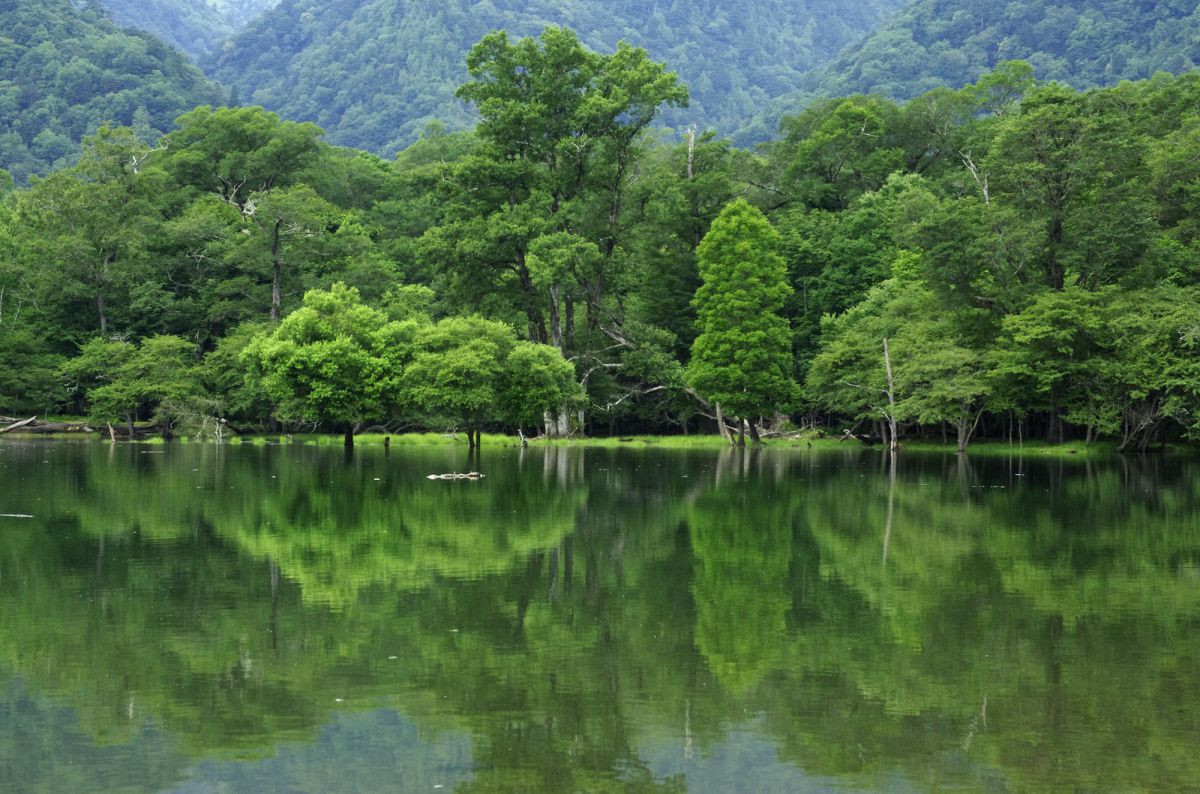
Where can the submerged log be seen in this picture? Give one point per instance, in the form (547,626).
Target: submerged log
(471,475)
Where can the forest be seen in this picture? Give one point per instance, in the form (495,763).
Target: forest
(1015,258)
(64,71)
(1080,42)
(372,73)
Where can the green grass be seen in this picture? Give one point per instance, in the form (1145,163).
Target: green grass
(993,447)
(809,440)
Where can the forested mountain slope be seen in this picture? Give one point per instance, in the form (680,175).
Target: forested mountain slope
(195,26)
(372,73)
(1084,43)
(65,71)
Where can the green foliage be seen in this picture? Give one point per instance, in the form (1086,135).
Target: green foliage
(195,26)
(373,79)
(988,233)
(1082,42)
(29,373)
(467,372)
(742,357)
(332,360)
(67,70)
(126,382)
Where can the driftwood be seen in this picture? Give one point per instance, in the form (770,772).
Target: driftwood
(33,425)
(59,427)
(18,424)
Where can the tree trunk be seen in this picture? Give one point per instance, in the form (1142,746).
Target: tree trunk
(754,433)
(1054,428)
(556,336)
(563,428)
(103,315)
(963,433)
(348,438)
(569,323)
(721,425)
(19,424)
(741,432)
(277,274)
(1054,270)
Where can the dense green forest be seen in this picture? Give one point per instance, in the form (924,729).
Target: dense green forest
(65,71)
(372,73)
(1027,254)
(195,26)
(1083,43)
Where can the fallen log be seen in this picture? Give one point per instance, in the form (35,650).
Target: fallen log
(20,424)
(58,427)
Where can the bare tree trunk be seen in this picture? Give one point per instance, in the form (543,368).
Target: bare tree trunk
(277,275)
(556,336)
(965,428)
(348,438)
(103,315)
(569,322)
(691,152)
(754,432)
(721,424)
(891,395)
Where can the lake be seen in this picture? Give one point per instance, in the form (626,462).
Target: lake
(199,618)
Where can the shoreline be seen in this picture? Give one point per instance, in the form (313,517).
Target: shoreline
(989,447)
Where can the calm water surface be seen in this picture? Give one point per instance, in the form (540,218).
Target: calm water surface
(289,619)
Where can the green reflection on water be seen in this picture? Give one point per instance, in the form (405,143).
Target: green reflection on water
(595,620)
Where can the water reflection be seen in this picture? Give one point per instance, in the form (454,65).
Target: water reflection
(280,618)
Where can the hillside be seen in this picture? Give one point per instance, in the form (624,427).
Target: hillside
(372,73)
(64,72)
(1084,43)
(194,26)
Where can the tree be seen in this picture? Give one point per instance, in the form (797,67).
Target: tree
(332,360)
(86,230)
(29,373)
(469,372)
(253,161)
(939,377)
(130,382)
(560,133)
(742,359)
(1048,357)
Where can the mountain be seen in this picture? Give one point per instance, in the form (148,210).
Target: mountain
(372,73)
(194,26)
(1083,43)
(64,71)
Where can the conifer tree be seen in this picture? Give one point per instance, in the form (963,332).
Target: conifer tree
(742,359)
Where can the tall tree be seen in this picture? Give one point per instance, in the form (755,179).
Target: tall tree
(742,359)
(560,128)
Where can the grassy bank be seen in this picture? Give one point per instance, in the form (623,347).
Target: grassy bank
(806,441)
(811,441)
